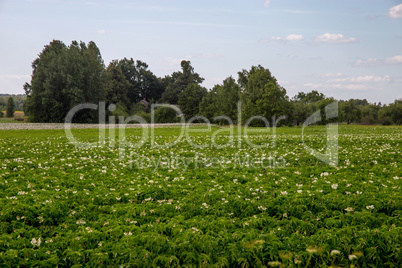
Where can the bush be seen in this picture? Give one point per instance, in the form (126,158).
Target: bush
(138,108)
(165,115)
(145,116)
(368,120)
(119,110)
(386,121)
(1,114)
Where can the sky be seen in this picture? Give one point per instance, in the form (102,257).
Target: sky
(342,48)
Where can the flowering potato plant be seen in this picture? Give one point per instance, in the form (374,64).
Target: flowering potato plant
(235,205)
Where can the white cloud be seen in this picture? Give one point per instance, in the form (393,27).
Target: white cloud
(336,86)
(294,37)
(337,81)
(394,60)
(206,55)
(374,61)
(353,87)
(371,78)
(367,78)
(101,31)
(395,12)
(338,74)
(334,38)
(266,3)
(290,37)
(369,61)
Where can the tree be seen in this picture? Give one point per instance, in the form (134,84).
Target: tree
(143,83)
(350,112)
(63,77)
(10,107)
(228,95)
(261,95)
(369,114)
(391,114)
(179,81)
(221,101)
(190,99)
(208,105)
(117,88)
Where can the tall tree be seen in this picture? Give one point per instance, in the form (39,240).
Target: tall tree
(190,99)
(228,95)
(143,83)
(117,87)
(209,104)
(10,107)
(369,114)
(179,82)
(391,113)
(63,77)
(349,111)
(261,95)
(310,97)
(46,77)
(305,104)
(222,100)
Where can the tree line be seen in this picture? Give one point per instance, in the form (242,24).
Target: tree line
(64,76)
(11,103)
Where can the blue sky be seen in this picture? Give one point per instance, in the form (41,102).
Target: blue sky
(344,48)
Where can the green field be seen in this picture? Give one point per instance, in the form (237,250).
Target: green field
(233,205)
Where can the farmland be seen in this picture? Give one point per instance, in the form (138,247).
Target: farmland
(228,204)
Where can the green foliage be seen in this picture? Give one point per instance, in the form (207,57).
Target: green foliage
(222,100)
(208,104)
(19,101)
(1,114)
(310,97)
(305,104)
(91,208)
(117,87)
(190,99)
(261,95)
(10,107)
(143,83)
(120,110)
(165,115)
(391,113)
(146,116)
(62,78)
(178,82)
(349,111)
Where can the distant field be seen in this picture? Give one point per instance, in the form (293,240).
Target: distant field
(228,206)
(17,115)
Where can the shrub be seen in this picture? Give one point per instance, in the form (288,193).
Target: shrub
(145,116)
(165,115)
(368,120)
(386,121)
